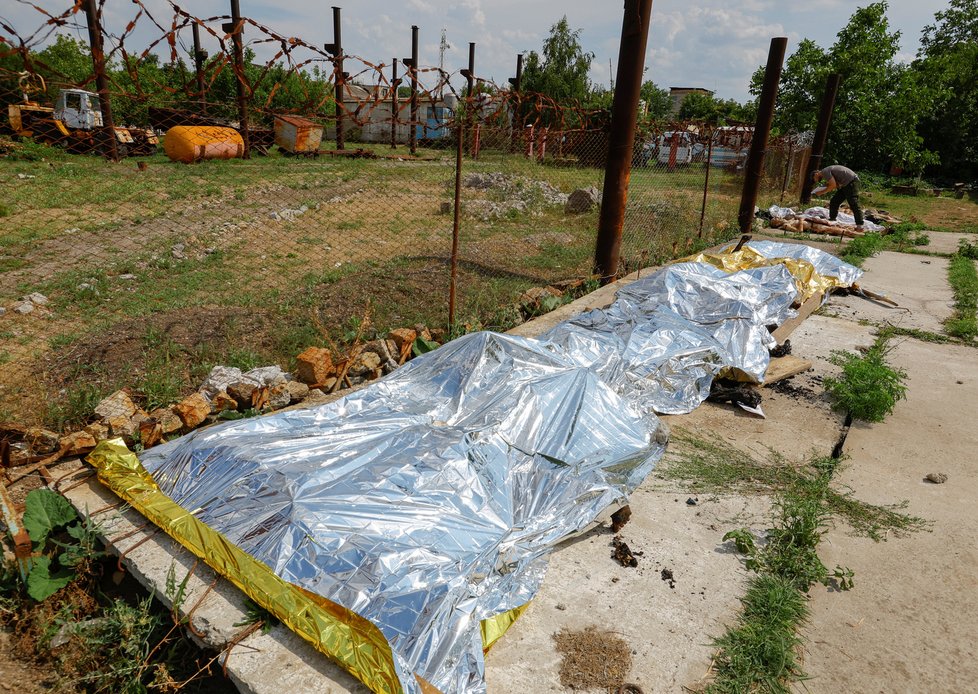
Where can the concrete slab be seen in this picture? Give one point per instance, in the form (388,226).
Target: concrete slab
(946,241)
(917,283)
(909,623)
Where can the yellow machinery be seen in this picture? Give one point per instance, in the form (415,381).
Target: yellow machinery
(75,122)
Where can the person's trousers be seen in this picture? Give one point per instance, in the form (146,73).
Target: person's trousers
(849,193)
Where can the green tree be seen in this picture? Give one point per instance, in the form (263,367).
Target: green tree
(707,108)
(560,74)
(880,101)
(657,101)
(948,63)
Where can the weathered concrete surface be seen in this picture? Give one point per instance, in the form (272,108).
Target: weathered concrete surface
(917,283)
(909,623)
(946,241)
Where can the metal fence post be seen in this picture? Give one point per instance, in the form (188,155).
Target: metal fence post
(236,29)
(335,49)
(469,75)
(517,117)
(395,83)
(199,57)
(631,62)
(107,131)
(762,129)
(412,64)
(706,182)
(821,135)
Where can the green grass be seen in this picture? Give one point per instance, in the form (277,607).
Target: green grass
(858,249)
(962,276)
(868,388)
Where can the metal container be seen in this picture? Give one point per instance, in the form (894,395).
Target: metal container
(192,143)
(295,135)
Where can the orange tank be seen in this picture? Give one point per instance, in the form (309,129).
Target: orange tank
(192,143)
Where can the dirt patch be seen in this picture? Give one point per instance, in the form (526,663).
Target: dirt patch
(593,659)
(23,677)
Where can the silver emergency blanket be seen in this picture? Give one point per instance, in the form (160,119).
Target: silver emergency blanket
(825,264)
(429,500)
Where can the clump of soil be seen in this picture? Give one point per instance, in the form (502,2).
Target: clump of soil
(623,553)
(593,659)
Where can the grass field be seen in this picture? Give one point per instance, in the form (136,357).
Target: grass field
(155,275)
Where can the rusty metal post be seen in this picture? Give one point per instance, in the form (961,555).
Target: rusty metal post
(236,29)
(821,135)
(542,146)
(199,57)
(412,64)
(395,83)
(107,131)
(469,75)
(335,49)
(762,129)
(621,139)
(706,182)
(787,167)
(516,125)
(529,136)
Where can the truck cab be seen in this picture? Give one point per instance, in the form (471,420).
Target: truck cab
(78,109)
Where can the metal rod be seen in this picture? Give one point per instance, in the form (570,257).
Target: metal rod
(706,181)
(237,33)
(821,135)
(101,81)
(199,57)
(469,75)
(762,129)
(621,140)
(517,82)
(395,82)
(339,78)
(787,167)
(413,140)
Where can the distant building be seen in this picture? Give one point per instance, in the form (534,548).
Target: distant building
(679,94)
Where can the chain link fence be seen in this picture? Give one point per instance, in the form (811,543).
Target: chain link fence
(252,214)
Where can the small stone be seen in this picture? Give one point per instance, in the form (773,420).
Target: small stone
(193,410)
(221,401)
(315,365)
(267,375)
(41,440)
(936,478)
(178,251)
(402,336)
(126,427)
(119,404)
(24,308)
(242,392)
(279,396)
(36,298)
(150,432)
(366,363)
(99,431)
(561,606)
(445,208)
(274,216)
(2,310)
(219,378)
(535,295)
(78,443)
(168,420)
(297,390)
(127,276)
(583,200)
(325,387)
(422,331)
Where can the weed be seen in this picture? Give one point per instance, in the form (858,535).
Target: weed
(918,334)
(858,249)
(256,614)
(75,407)
(868,387)
(968,249)
(963,278)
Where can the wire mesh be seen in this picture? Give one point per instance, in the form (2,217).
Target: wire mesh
(251,213)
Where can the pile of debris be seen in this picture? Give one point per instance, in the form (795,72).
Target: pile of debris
(517,194)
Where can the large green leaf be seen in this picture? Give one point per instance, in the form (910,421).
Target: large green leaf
(45,511)
(41,584)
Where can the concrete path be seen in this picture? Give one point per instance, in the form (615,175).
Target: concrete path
(946,241)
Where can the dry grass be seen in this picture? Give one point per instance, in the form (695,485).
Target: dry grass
(593,659)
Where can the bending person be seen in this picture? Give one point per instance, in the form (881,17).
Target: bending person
(845,183)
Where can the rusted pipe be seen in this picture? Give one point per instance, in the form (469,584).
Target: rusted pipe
(335,49)
(199,57)
(787,167)
(395,83)
(821,135)
(762,129)
(706,182)
(517,119)
(469,75)
(236,29)
(107,131)
(412,64)
(621,140)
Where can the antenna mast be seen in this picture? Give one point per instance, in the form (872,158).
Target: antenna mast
(442,47)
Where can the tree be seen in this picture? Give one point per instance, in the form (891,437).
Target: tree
(879,103)
(948,63)
(657,101)
(561,73)
(706,108)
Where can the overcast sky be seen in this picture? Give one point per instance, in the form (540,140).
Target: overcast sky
(715,44)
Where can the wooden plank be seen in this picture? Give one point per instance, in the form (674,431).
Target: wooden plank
(788,327)
(785,367)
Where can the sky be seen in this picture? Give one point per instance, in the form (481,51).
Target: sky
(714,44)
